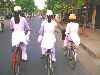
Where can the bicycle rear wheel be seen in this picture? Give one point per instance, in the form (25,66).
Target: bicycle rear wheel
(14,61)
(17,68)
(72,60)
(16,57)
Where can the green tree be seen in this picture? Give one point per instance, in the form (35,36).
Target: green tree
(27,5)
(63,5)
(56,5)
(79,3)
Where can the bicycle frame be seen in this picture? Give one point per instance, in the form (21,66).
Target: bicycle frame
(72,47)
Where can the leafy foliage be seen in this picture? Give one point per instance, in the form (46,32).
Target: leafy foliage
(26,4)
(63,5)
(56,5)
(79,3)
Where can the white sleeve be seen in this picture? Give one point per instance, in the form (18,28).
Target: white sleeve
(11,24)
(41,28)
(26,24)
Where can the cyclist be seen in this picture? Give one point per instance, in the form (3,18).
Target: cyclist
(72,31)
(20,31)
(48,31)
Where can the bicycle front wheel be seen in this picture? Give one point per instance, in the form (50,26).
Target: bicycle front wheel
(50,68)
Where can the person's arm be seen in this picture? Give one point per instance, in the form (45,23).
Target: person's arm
(26,25)
(41,29)
(11,25)
(27,28)
(78,30)
(67,29)
(56,26)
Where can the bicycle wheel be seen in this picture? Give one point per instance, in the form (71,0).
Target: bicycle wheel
(50,68)
(16,59)
(17,68)
(72,60)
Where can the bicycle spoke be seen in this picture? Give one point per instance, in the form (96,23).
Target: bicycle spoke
(71,57)
(49,64)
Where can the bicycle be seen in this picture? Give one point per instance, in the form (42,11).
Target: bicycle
(49,65)
(71,54)
(16,59)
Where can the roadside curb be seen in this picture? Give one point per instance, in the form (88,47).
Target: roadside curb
(87,50)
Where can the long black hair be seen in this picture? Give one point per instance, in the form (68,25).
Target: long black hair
(49,17)
(16,17)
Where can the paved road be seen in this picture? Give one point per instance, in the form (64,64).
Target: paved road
(35,64)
